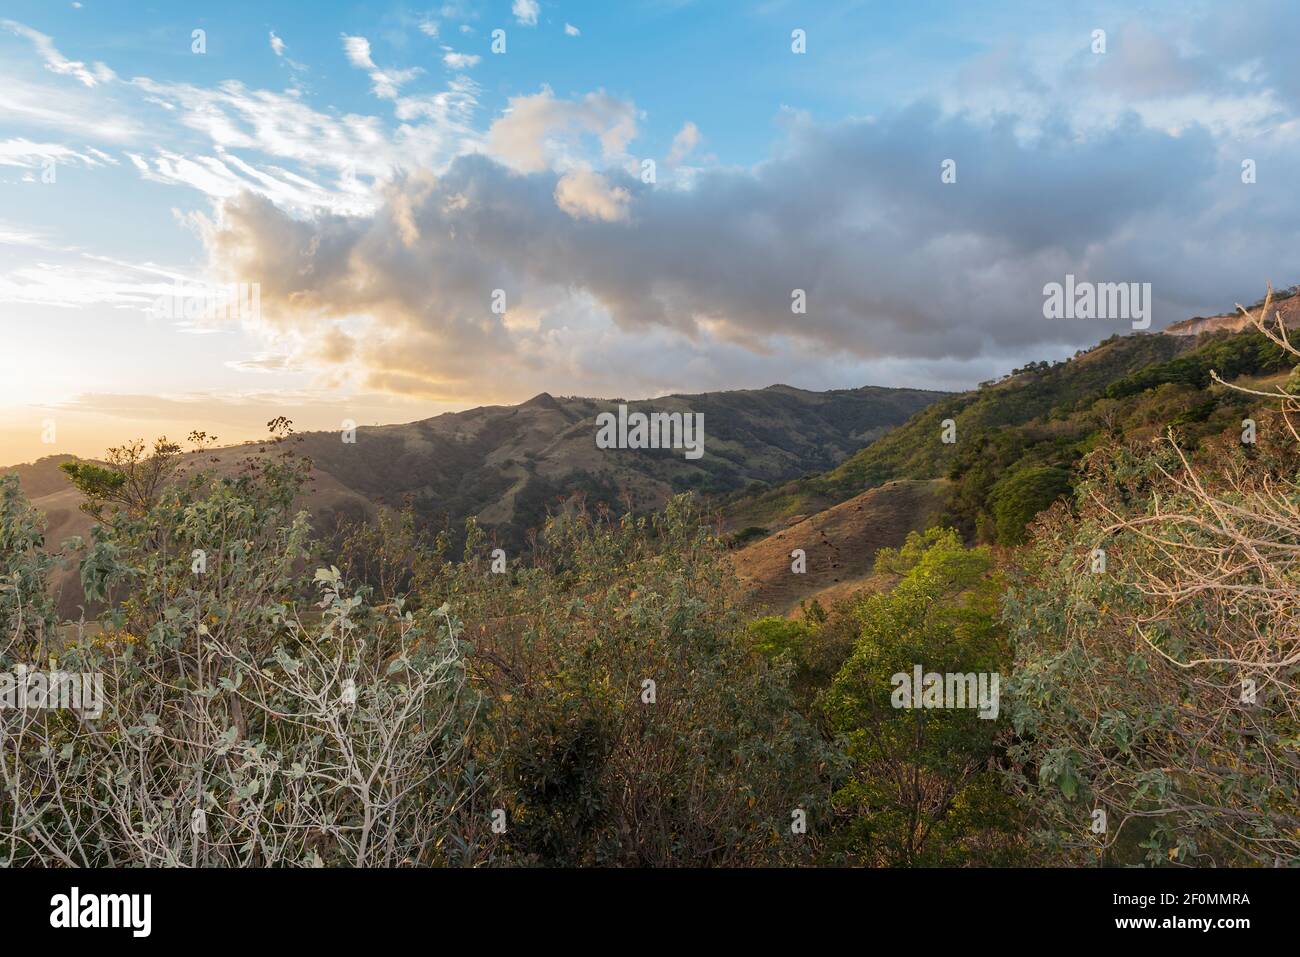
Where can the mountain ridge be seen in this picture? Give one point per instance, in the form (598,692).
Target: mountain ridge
(508,466)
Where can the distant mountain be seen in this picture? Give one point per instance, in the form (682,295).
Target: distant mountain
(506,465)
(839,473)
(915,451)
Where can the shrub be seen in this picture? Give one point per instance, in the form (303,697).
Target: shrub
(241,724)
(1160,690)
(591,769)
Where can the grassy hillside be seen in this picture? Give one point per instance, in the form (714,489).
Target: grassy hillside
(840,545)
(507,465)
(1018,439)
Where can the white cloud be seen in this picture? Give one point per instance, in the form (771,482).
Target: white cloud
(78,280)
(461,61)
(358,52)
(385,84)
(538,130)
(844,211)
(317,159)
(526,12)
(277,45)
(571,30)
(55,61)
(74,110)
(26,154)
(429,27)
(384,218)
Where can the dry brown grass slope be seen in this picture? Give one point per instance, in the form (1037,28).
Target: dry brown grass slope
(840,544)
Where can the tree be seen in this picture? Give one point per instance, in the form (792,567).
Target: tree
(922,788)
(1016,499)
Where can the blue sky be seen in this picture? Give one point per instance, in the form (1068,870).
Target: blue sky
(379,171)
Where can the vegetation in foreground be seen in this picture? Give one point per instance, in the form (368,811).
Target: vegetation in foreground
(606,699)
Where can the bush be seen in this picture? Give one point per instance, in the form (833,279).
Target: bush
(241,724)
(602,701)
(1128,684)
(598,766)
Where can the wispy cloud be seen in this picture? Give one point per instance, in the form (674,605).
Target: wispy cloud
(55,61)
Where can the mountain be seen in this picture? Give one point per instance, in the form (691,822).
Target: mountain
(506,465)
(838,473)
(1037,393)
(1017,442)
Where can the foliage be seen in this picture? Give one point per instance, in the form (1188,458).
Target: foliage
(1016,499)
(1159,689)
(921,787)
(1128,684)
(1043,420)
(816,644)
(749,533)
(593,770)
(133,478)
(306,721)
(26,608)
(241,724)
(388,552)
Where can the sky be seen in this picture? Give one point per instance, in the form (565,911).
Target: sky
(451,205)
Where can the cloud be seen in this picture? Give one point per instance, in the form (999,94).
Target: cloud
(539,130)
(24,153)
(460,61)
(385,83)
(900,270)
(229,138)
(379,238)
(275,144)
(526,12)
(358,52)
(571,30)
(687,138)
(55,61)
(585,194)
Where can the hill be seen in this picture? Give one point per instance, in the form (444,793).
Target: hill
(1286,303)
(839,543)
(507,465)
(1018,439)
